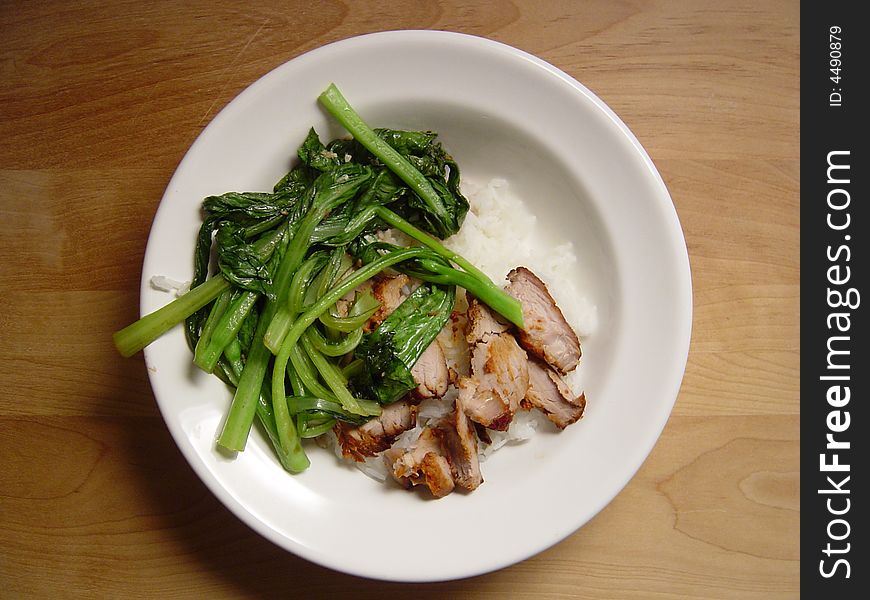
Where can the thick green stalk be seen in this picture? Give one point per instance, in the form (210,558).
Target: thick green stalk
(217,310)
(225,330)
(333,100)
(234,433)
(294,460)
(287,434)
(474,280)
(507,306)
(136,336)
(427,240)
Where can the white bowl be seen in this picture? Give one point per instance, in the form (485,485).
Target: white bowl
(501,113)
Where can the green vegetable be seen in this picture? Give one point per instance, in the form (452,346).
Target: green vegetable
(269,322)
(443,207)
(394,347)
(328,191)
(218,308)
(225,331)
(294,460)
(137,335)
(334,348)
(306,319)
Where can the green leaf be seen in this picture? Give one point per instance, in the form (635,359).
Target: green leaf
(315,155)
(392,349)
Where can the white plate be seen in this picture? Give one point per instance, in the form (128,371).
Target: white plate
(500,112)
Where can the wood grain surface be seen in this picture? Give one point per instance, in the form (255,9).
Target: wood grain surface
(98,103)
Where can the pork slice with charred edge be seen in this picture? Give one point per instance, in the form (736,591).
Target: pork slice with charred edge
(424,463)
(499,376)
(547,334)
(430,372)
(550,394)
(443,457)
(388,291)
(378,434)
(459,439)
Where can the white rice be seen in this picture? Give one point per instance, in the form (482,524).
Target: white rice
(161,283)
(500,234)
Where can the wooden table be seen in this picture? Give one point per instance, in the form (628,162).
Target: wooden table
(98,103)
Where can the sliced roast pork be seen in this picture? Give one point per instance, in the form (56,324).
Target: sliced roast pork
(547,334)
(377,434)
(423,463)
(444,456)
(550,394)
(430,372)
(389,292)
(459,439)
(499,376)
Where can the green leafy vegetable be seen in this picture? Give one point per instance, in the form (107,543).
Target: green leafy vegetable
(276,321)
(441,211)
